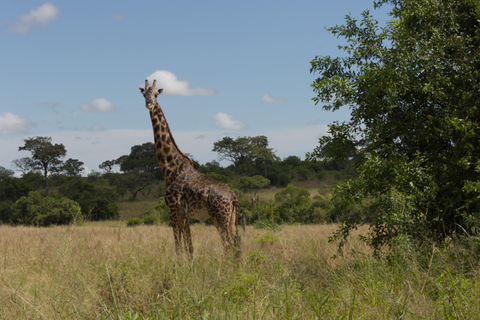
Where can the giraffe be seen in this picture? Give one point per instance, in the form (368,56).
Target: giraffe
(189,194)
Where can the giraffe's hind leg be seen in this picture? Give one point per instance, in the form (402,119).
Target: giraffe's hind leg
(180,230)
(226,228)
(187,236)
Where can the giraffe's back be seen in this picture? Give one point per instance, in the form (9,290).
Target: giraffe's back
(201,197)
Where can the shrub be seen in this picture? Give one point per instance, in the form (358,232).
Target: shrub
(161,210)
(44,211)
(293,204)
(11,189)
(302,173)
(132,222)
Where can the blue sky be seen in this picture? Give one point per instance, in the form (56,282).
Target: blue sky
(70,70)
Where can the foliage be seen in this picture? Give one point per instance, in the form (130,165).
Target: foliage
(11,189)
(250,184)
(97,203)
(413,87)
(292,204)
(159,215)
(339,146)
(45,211)
(249,155)
(24,165)
(73,167)
(142,159)
(161,210)
(107,166)
(45,156)
(5,173)
(133,182)
(132,222)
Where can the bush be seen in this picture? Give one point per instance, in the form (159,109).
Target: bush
(11,189)
(302,173)
(97,203)
(44,211)
(159,215)
(132,222)
(293,204)
(150,218)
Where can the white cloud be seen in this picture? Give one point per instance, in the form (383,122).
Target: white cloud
(226,121)
(38,16)
(269,99)
(172,86)
(98,105)
(12,123)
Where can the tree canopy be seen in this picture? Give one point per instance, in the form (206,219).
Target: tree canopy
(46,156)
(413,87)
(249,155)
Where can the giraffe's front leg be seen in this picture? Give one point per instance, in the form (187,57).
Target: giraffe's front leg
(187,237)
(177,225)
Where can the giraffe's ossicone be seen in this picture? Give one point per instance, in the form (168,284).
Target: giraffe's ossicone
(189,194)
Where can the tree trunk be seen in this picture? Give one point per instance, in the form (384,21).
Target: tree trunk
(45,174)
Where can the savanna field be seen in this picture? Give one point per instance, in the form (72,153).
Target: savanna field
(106,270)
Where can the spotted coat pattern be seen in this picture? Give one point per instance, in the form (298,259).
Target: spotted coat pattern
(189,194)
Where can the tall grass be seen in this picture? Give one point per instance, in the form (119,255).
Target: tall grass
(109,271)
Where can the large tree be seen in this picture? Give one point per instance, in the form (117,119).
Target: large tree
(46,156)
(413,87)
(249,155)
(142,159)
(73,167)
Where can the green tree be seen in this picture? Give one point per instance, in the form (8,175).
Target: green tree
(45,156)
(73,167)
(11,189)
(339,146)
(134,182)
(107,166)
(413,87)
(249,155)
(252,185)
(5,173)
(96,203)
(24,165)
(142,159)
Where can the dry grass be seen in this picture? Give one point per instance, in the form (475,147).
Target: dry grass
(109,271)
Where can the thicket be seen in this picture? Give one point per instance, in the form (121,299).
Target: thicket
(413,89)
(22,200)
(98,193)
(45,211)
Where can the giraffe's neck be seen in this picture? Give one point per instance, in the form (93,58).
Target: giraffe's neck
(169,156)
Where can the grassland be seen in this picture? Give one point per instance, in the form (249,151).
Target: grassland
(108,271)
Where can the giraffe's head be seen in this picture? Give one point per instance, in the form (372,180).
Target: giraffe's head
(150,94)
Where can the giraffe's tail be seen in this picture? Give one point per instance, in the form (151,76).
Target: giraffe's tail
(236,240)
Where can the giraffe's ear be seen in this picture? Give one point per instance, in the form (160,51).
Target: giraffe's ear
(142,90)
(159,91)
